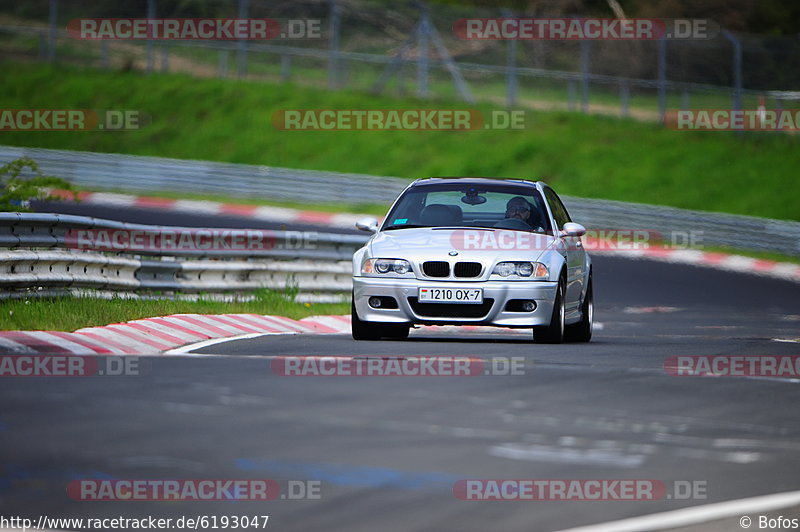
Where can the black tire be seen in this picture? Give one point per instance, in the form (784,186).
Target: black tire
(367,330)
(553,333)
(362,330)
(395,332)
(582,331)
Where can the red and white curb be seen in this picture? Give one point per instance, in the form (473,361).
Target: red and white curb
(212,208)
(181,333)
(720,261)
(160,334)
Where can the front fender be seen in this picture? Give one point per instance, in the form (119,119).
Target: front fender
(358,259)
(555,261)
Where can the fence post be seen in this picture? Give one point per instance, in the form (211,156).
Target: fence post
(151,14)
(662,79)
(333,44)
(571,95)
(104,60)
(586,55)
(422,53)
(51,44)
(286,67)
(165,56)
(241,63)
(223,63)
(625,98)
(511,67)
(737,69)
(43,45)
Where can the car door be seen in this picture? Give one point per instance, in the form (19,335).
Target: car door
(576,255)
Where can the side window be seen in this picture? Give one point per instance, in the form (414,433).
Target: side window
(559,211)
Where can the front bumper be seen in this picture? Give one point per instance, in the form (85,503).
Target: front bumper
(542,292)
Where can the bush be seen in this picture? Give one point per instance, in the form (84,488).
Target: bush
(16,192)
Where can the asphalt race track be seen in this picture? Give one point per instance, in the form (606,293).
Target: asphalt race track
(387,451)
(155,216)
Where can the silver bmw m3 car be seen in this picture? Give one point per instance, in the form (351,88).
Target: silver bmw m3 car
(474,251)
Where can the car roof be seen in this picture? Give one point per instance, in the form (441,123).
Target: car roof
(473,181)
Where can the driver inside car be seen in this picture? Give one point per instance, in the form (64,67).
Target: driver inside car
(518,212)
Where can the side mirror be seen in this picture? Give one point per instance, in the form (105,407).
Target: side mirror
(573,229)
(369,225)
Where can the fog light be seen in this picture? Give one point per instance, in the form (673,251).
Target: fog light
(375,302)
(528,306)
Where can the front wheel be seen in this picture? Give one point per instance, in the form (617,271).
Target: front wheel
(367,330)
(582,331)
(553,333)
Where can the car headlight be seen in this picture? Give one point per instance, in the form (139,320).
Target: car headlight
(384,266)
(534,270)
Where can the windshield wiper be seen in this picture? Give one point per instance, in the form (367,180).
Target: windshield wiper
(405,226)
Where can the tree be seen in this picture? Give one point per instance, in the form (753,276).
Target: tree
(16,192)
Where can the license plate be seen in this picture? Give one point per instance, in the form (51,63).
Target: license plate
(450,295)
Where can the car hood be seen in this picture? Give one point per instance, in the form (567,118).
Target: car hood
(483,245)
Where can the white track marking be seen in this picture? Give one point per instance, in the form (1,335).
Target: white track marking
(187,349)
(109,198)
(205,207)
(696,514)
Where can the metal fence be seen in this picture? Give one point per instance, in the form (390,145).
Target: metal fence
(412,48)
(153,175)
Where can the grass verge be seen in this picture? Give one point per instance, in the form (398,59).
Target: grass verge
(581,155)
(71,313)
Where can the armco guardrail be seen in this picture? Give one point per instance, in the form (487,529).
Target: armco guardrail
(49,251)
(152,174)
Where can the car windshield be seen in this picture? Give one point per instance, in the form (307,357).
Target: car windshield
(499,206)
